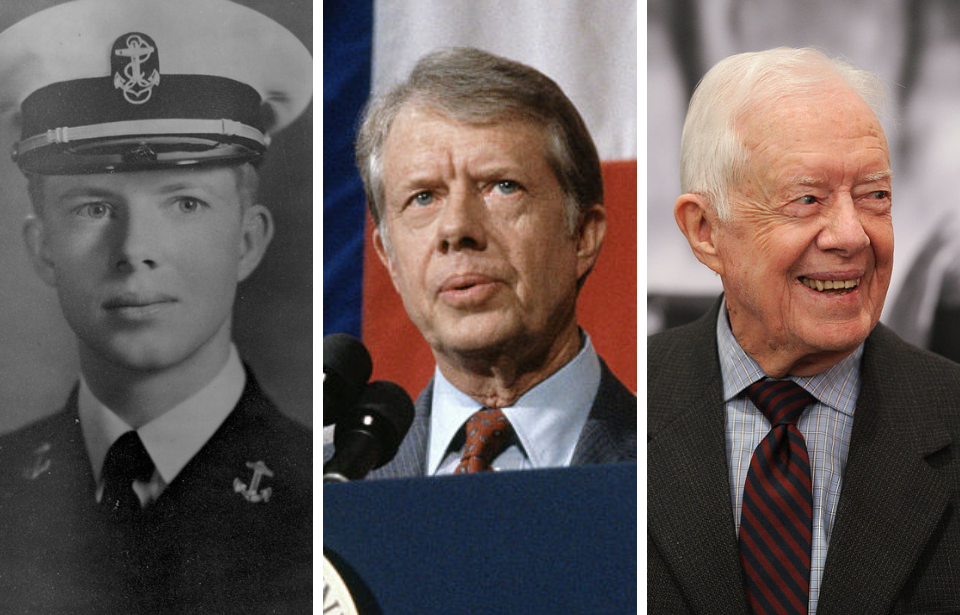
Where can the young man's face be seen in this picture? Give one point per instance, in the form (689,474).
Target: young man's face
(146,264)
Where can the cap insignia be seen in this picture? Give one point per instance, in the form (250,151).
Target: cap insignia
(135,64)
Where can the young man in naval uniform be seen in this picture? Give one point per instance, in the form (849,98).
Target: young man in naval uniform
(168,483)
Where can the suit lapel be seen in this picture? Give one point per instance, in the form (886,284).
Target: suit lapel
(689,511)
(892,499)
(610,433)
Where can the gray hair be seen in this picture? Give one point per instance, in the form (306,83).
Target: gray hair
(713,157)
(475,87)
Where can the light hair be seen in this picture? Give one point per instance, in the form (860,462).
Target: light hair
(478,88)
(713,157)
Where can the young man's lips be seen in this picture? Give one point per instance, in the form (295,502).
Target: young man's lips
(132,304)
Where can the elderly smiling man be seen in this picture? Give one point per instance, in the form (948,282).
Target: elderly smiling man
(802,458)
(485,189)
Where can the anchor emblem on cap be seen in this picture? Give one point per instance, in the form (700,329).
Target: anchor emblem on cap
(135,78)
(253,493)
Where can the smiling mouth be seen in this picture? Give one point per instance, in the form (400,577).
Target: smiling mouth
(836,287)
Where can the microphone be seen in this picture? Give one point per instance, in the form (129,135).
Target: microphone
(370,435)
(346,369)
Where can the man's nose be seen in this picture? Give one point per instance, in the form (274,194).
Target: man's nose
(136,243)
(462,221)
(843,231)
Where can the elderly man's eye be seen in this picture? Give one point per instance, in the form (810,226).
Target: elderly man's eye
(506,186)
(807,199)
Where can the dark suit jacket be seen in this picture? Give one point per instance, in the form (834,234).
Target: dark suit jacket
(609,435)
(895,546)
(202,547)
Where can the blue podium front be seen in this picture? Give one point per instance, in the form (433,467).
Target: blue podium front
(536,542)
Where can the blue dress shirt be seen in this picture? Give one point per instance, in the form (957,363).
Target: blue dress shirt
(547,419)
(826,426)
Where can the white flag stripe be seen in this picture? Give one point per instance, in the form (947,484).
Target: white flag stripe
(589,47)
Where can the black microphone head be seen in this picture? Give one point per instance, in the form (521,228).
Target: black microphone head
(386,411)
(346,369)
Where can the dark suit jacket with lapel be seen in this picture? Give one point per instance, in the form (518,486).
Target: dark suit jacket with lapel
(895,546)
(202,547)
(609,435)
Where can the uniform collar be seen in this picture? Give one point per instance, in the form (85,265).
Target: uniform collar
(547,419)
(173,438)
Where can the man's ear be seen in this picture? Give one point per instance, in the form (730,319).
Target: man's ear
(35,236)
(590,236)
(383,252)
(255,236)
(698,222)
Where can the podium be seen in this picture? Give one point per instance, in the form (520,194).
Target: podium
(532,542)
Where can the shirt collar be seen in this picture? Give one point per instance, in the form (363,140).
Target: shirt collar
(547,419)
(836,386)
(173,438)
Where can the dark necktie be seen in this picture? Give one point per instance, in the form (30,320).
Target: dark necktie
(127,461)
(775,520)
(488,432)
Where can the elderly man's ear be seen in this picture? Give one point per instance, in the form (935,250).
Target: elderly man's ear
(699,224)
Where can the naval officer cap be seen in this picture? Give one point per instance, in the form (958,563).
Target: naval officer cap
(121,85)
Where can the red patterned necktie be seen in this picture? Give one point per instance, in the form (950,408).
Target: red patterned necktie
(775,520)
(488,432)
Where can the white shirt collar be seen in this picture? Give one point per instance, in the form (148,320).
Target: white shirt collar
(547,419)
(173,438)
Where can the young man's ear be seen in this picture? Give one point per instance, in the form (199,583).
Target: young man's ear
(35,236)
(698,222)
(255,236)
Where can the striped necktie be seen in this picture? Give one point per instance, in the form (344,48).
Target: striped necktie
(776,517)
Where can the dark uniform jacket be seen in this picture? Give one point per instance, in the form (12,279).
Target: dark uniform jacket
(204,546)
(895,545)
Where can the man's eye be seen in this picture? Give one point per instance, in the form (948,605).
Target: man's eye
(807,199)
(423,198)
(507,186)
(189,205)
(95,210)
(880,194)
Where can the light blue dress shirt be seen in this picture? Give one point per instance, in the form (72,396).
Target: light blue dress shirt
(826,426)
(547,419)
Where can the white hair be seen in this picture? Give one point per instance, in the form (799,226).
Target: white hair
(713,157)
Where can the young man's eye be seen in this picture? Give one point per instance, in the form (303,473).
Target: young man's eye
(190,205)
(94,210)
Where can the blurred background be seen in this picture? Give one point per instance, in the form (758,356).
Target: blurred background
(273,315)
(915,47)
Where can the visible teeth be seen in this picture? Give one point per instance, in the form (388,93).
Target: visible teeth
(821,285)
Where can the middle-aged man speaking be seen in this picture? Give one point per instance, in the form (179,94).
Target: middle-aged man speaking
(802,458)
(486,192)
